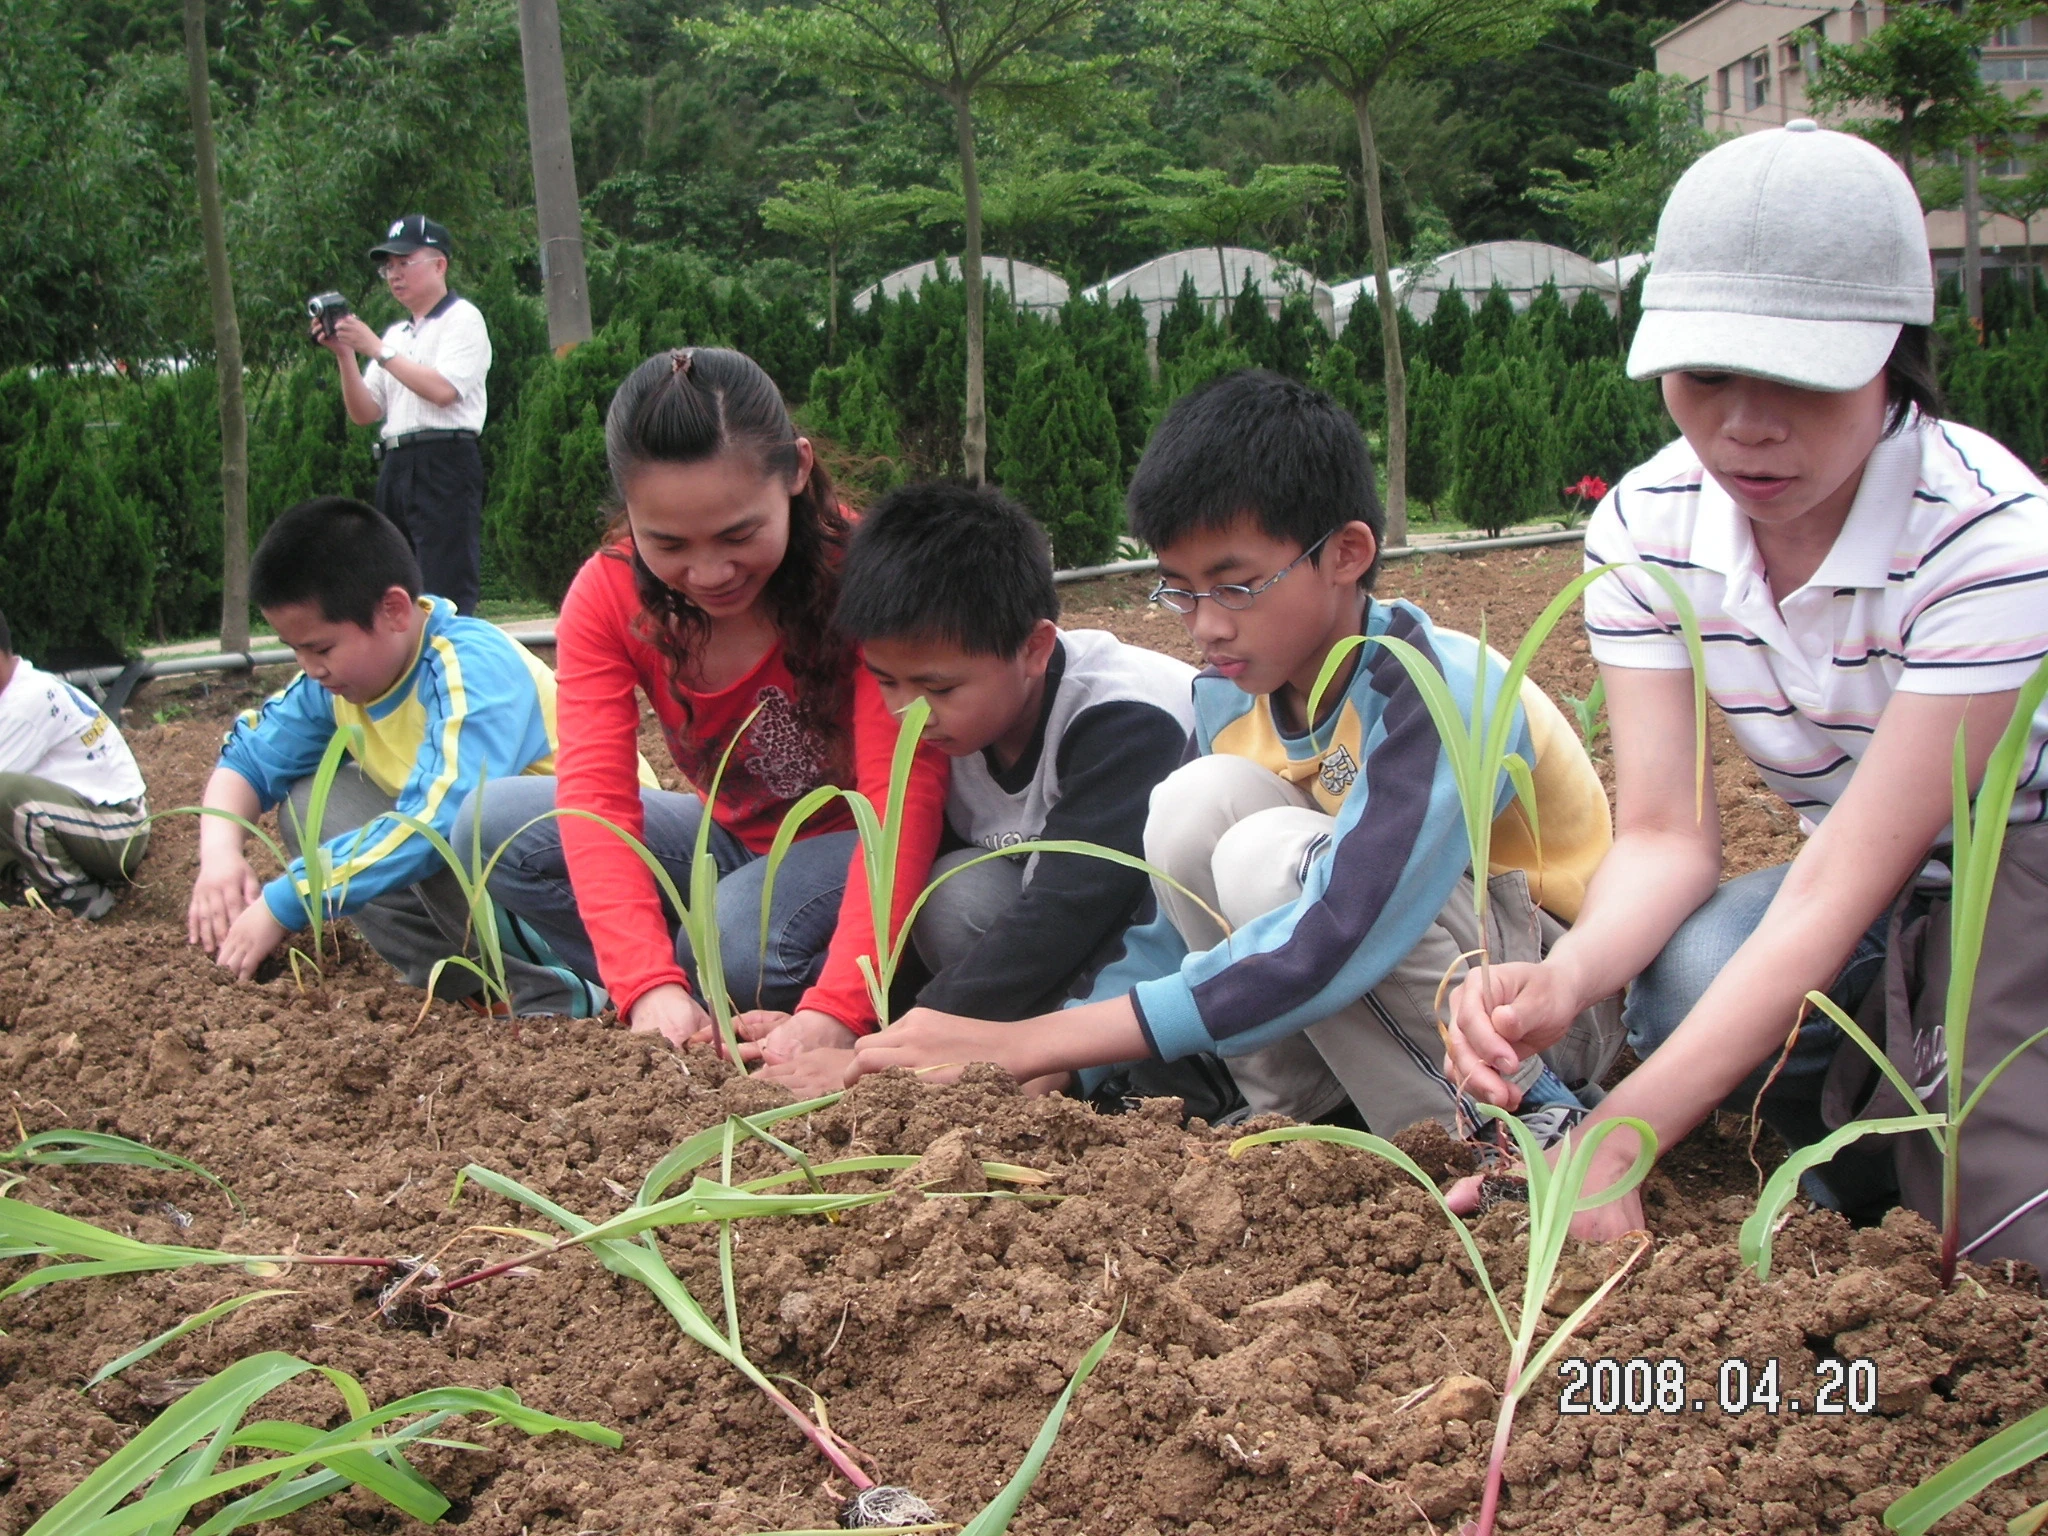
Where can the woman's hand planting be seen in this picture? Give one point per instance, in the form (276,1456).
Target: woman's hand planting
(670,1011)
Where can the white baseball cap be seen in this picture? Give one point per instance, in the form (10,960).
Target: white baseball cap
(1795,254)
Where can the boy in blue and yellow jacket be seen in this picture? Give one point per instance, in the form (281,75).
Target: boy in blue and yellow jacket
(435,703)
(1337,856)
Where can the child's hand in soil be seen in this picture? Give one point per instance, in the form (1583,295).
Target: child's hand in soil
(924,1037)
(224,890)
(797,1034)
(250,940)
(813,1073)
(670,1011)
(1602,1224)
(1532,1009)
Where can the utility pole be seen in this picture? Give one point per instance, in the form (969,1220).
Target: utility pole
(554,175)
(227,345)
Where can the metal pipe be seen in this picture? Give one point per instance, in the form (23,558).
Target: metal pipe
(271,656)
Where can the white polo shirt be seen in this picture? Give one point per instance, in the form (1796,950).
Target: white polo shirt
(1937,583)
(450,339)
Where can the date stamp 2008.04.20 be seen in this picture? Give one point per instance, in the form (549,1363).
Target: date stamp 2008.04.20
(1652,1384)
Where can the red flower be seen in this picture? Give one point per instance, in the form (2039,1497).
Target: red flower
(1591,488)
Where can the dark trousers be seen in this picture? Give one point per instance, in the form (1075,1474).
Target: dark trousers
(434,491)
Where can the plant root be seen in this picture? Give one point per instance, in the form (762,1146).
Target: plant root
(400,1304)
(1502,1189)
(884,1506)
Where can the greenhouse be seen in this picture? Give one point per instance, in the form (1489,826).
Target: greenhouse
(1031,286)
(1522,267)
(1219,275)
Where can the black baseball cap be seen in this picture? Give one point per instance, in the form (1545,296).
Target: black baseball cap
(414,232)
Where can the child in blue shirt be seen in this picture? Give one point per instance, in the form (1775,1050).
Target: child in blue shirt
(439,702)
(1338,857)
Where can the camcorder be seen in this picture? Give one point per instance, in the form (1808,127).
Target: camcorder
(326,310)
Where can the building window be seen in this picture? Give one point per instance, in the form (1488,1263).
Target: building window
(1724,99)
(1696,99)
(1859,22)
(2011,35)
(1756,81)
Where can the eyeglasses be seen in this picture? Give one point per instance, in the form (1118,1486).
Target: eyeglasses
(393,264)
(1233,596)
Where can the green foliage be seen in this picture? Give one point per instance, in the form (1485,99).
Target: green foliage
(1610,423)
(1921,71)
(1337,374)
(1250,327)
(849,407)
(1494,322)
(2012,1448)
(1450,328)
(1432,405)
(1182,323)
(75,563)
(301,444)
(1209,356)
(175,1456)
(1057,450)
(164,459)
(1591,331)
(548,510)
(1109,341)
(67,1148)
(1502,446)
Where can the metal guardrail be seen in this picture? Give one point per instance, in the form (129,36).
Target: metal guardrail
(113,684)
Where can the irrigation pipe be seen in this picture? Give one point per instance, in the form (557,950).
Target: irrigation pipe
(115,683)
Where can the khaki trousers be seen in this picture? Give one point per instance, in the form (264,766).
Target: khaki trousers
(1243,840)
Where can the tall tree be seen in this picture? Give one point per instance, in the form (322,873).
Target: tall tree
(2023,199)
(960,51)
(1614,210)
(1028,202)
(1354,47)
(1920,70)
(227,344)
(825,211)
(1205,207)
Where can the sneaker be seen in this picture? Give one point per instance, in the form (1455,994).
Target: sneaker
(1551,1122)
(90,901)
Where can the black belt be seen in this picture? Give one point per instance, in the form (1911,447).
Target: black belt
(431,435)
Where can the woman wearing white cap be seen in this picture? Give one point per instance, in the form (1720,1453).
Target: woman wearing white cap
(1867,578)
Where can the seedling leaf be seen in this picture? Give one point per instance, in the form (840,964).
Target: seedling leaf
(172,1334)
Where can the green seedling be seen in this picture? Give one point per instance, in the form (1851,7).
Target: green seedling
(29,1231)
(171,1335)
(317,886)
(1556,1196)
(62,1147)
(1978,841)
(1586,712)
(881,848)
(624,1244)
(2016,1446)
(995,1516)
(174,1458)
(1477,745)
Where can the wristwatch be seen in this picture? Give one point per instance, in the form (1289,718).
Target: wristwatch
(387,354)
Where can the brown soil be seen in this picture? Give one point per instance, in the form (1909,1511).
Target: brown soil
(1296,1323)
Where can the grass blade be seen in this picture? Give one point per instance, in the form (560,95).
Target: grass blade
(67,1147)
(996,1515)
(171,1335)
(1970,1474)
(1778,1192)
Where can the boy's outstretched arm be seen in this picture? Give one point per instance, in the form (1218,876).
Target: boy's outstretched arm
(1092,1035)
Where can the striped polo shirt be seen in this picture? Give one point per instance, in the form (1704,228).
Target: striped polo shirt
(1937,583)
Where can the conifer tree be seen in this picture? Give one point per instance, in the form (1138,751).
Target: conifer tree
(1251,326)
(548,511)
(1185,321)
(1590,330)
(1610,423)
(1541,327)
(164,459)
(1450,327)
(1058,454)
(74,561)
(1298,337)
(849,406)
(1495,319)
(1505,467)
(1337,374)
(301,445)
(1110,343)
(1430,398)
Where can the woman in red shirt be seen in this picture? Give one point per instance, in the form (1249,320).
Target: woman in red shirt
(715,600)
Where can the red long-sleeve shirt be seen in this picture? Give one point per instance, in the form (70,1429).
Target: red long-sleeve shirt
(600,660)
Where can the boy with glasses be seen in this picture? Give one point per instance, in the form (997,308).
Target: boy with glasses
(425,382)
(1337,856)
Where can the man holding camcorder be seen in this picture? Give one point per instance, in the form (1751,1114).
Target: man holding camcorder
(425,382)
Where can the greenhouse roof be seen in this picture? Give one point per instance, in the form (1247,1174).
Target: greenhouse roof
(1157,283)
(1036,288)
(1520,266)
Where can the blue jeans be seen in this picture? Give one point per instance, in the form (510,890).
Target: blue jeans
(1660,999)
(532,880)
